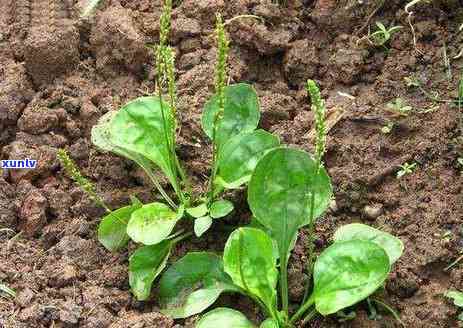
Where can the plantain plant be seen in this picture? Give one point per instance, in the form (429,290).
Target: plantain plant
(144,131)
(289,189)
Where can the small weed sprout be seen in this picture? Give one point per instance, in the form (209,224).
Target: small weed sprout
(457,298)
(383,35)
(387,128)
(406,169)
(399,107)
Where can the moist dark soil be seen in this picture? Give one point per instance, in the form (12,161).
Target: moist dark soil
(59,74)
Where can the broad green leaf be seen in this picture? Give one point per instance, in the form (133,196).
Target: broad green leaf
(280,191)
(456,296)
(102,138)
(249,260)
(269,323)
(202,225)
(198,211)
(392,245)
(192,284)
(241,113)
(112,231)
(239,156)
(152,223)
(221,208)
(224,318)
(256,224)
(138,128)
(100,133)
(145,264)
(346,273)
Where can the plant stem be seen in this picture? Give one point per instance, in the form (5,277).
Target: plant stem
(181,237)
(303,309)
(454,263)
(183,176)
(231,20)
(284,281)
(215,150)
(158,186)
(311,245)
(390,309)
(309,316)
(171,152)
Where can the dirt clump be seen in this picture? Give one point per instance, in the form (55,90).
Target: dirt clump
(116,43)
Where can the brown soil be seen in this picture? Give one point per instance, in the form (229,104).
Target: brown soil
(59,74)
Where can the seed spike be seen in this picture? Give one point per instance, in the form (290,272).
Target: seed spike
(318,106)
(221,66)
(86,185)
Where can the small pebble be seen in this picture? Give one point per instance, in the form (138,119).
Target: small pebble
(333,206)
(373,211)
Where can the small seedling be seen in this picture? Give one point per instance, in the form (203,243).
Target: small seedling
(411,81)
(457,298)
(406,169)
(383,35)
(289,189)
(387,128)
(399,107)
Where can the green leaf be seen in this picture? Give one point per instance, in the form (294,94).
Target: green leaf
(269,323)
(192,284)
(280,191)
(241,113)
(381,26)
(346,273)
(239,156)
(456,296)
(256,224)
(224,318)
(112,231)
(249,260)
(152,223)
(101,137)
(7,290)
(198,211)
(221,208)
(202,225)
(392,245)
(137,131)
(145,264)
